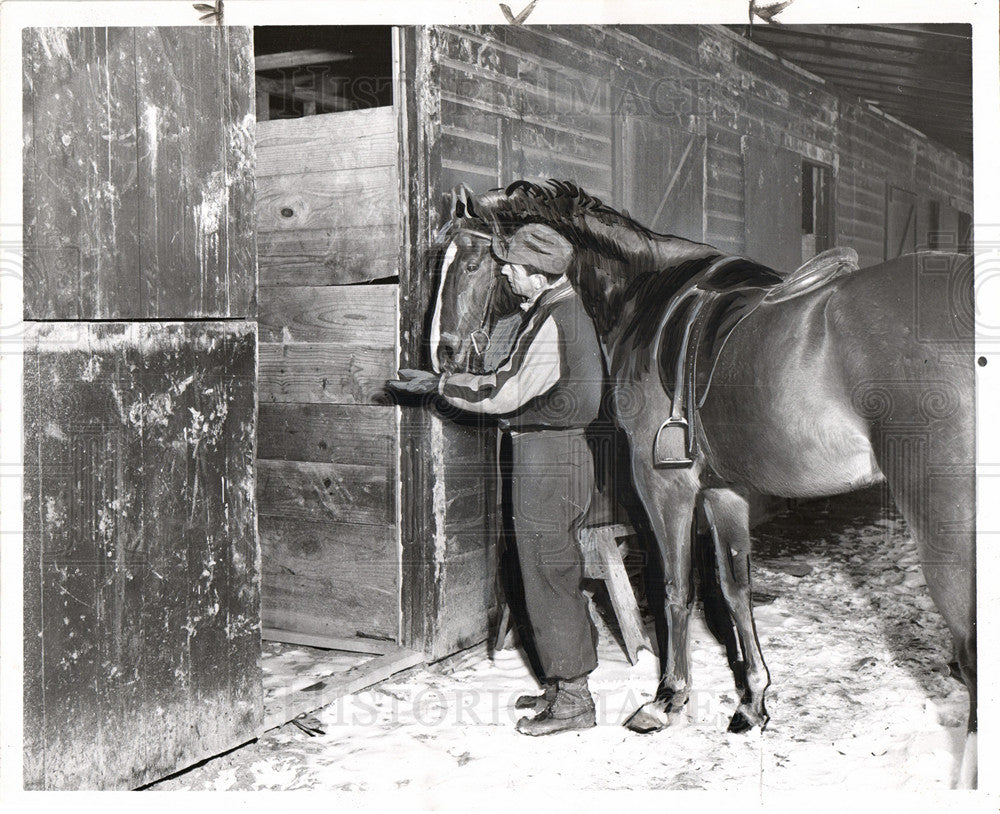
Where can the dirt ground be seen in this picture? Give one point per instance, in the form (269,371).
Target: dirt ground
(861,697)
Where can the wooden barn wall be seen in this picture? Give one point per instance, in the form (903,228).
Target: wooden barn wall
(555,102)
(329,234)
(141,564)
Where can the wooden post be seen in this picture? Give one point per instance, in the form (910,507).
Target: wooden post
(416,82)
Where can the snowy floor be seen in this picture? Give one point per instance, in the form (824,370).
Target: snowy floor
(860,697)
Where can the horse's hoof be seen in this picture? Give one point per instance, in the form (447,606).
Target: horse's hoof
(744,720)
(647,719)
(740,723)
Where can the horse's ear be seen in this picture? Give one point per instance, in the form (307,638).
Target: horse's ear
(461,197)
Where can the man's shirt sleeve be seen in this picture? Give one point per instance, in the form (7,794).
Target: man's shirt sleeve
(532,369)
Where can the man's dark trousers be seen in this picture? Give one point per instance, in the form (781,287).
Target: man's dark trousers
(552,480)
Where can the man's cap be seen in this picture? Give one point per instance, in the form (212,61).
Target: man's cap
(538,246)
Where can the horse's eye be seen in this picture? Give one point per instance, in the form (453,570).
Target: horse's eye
(470,267)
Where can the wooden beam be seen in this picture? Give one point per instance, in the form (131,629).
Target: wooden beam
(295,59)
(356,644)
(884,36)
(288,90)
(847,77)
(856,41)
(417,90)
(327,690)
(818,64)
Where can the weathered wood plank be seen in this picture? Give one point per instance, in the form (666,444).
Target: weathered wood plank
(664,171)
(331,493)
(167,616)
(361,316)
(327,433)
(240,123)
(355,644)
(197,427)
(322,200)
(330,577)
(330,256)
(471,152)
(324,373)
(327,690)
(81,241)
(417,91)
(78,440)
(329,142)
(305,56)
(241,545)
(33,739)
(302,668)
(195,171)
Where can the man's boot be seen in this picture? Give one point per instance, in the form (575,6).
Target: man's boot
(538,703)
(572,708)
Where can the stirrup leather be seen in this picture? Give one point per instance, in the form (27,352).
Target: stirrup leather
(673,445)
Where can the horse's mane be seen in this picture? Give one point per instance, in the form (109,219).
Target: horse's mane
(618,263)
(589,224)
(625,272)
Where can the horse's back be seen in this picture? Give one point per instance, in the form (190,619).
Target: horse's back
(807,389)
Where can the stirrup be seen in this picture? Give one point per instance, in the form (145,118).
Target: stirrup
(672,444)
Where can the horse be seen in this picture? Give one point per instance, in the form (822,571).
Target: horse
(856,379)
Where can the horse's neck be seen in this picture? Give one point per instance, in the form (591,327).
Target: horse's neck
(610,288)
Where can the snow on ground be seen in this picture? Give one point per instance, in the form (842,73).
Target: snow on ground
(861,696)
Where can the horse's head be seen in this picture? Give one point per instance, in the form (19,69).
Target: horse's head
(472,294)
(467,295)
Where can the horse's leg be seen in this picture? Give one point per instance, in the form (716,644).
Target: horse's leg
(938,504)
(669,498)
(729,520)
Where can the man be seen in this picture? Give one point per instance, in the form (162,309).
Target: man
(545,393)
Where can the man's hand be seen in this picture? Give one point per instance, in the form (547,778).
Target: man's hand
(418,382)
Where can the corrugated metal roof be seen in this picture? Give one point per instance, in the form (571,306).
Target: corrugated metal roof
(919,74)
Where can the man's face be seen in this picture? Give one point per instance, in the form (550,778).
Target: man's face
(520,281)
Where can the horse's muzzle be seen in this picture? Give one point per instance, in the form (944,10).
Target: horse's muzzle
(448,350)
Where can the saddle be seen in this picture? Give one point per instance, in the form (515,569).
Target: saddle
(698,322)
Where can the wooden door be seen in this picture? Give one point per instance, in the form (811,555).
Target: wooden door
(773,204)
(141,564)
(138,170)
(330,238)
(900,222)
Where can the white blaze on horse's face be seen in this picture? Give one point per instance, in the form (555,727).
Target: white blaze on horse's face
(435,338)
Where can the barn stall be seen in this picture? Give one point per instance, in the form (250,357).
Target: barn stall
(377,527)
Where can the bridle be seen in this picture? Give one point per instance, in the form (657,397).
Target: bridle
(481,330)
